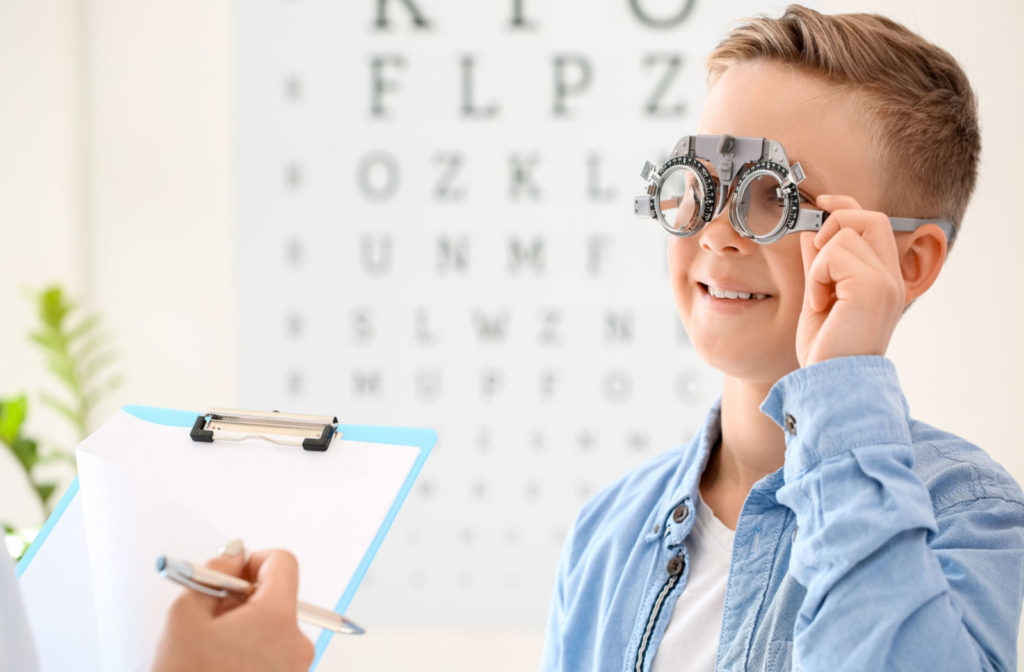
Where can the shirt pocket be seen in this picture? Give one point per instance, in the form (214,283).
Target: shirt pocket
(780,656)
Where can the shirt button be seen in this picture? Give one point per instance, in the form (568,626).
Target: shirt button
(790,424)
(675,566)
(680,514)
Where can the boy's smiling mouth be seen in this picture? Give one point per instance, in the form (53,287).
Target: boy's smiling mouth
(719,293)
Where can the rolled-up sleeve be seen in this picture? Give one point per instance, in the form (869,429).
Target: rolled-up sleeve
(893,580)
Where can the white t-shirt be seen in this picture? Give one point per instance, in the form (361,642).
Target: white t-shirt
(17,650)
(691,639)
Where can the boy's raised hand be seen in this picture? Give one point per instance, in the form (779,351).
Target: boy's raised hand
(853,287)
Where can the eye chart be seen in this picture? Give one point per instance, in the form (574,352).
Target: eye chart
(436,229)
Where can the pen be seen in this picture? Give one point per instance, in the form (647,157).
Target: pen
(218,584)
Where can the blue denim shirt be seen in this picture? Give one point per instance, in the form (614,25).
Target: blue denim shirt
(882,544)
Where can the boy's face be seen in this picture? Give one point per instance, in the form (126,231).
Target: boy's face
(819,126)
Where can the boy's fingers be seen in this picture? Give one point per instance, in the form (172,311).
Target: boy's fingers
(830,202)
(845,243)
(848,257)
(818,281)
(846,213)
(829,269)
(834,205)
(857,245)
(808,253)
(818,291)
(807,250)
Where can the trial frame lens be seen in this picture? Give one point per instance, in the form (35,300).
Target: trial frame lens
(680,201)
(684,199)
(765,203)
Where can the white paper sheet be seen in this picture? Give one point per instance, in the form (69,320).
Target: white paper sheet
(148,490)
(57,587)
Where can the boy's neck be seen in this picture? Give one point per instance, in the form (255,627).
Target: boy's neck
(751,447)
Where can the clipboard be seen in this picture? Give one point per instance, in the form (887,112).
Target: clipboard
(93,597)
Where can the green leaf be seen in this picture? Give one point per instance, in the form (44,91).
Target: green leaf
(27,453)
(10,530)
(87,325)
(53,307)
(12,415)
(45,491)
(100,390)
(77,352)
(91,346)
(58,456)
(73,416)
(90,367)
(49,339)
(60,364)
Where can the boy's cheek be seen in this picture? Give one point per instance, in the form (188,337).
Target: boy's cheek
(679,254)
(671,252)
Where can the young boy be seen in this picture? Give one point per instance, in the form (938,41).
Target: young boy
(811,523)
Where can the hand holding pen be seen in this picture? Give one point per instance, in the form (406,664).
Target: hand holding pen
(260,633)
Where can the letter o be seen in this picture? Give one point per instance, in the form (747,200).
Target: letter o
(667,22)
(378,176)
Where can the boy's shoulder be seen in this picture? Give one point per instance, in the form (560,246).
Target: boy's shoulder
(660,479)
(957,472)
(643,486)
(628,509)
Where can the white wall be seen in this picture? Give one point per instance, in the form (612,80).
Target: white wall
(116,136)
(161,199)
(116,179)
(41,202)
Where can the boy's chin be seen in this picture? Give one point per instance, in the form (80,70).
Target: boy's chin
(752,366)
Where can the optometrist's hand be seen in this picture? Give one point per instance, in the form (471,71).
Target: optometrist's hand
(209,633)
(853,286)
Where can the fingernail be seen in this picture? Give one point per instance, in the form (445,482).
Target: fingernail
(232,548)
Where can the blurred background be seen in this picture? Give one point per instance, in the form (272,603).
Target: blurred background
(419,213)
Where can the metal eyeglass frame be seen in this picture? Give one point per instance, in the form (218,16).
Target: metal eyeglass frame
(738,162)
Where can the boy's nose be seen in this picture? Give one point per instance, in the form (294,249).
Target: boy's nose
(720,237)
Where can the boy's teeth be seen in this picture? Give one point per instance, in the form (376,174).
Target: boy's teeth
(725,294)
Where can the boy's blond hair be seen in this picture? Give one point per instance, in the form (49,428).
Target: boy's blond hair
(916,97)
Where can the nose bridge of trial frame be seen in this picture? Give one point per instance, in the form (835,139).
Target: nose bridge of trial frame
(726,155)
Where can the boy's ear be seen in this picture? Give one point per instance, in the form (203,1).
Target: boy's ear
(922,253)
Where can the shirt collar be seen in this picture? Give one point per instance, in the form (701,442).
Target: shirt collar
(676,509)
(686,492)
(709,434)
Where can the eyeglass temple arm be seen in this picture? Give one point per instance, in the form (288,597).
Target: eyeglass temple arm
(811,220)
(910,224)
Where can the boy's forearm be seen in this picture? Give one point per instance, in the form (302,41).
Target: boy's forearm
(888,585)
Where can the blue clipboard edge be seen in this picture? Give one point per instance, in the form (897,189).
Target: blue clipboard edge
(47,527)
(402,436)
(424,439)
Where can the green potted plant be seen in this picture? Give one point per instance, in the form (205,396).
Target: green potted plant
(78,353)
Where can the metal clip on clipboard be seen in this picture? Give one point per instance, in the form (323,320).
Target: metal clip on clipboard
(312,432)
